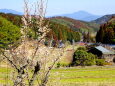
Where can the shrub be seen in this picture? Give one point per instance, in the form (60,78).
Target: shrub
(100,62)
(91,59)
(107,63)
(60,64)
(81,48)
(83,58)
(67,43)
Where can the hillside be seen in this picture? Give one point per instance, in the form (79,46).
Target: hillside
(58,31)
(76,25)
(9,34)
(103,19)
(15,19)
(62,32)
(106,34)
(63,28)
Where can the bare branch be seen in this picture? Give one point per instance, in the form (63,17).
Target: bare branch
(10,61)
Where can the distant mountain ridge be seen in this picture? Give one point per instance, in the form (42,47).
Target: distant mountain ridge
(10,11)
(82,15)
(103,19)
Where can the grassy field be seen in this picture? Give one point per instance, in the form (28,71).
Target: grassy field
(77,76)
(87,76)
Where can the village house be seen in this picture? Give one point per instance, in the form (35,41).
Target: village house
(103,53)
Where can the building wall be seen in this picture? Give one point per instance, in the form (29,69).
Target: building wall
(108,58)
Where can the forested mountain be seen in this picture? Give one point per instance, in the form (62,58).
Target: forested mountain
(15,19)
(58,31)
(106,34)
(76,25)
(103,19)
(62,32)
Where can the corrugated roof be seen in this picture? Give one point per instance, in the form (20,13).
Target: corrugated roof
(104,50)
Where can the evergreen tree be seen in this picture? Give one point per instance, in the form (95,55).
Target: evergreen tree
(9,34)
(106,34)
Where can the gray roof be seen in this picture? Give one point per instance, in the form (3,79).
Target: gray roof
(104,50)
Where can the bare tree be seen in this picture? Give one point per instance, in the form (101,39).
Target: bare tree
(39,60)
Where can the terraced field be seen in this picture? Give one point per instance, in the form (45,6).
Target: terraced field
(77,76)
(86,76)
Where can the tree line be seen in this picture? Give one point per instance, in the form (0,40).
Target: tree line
(61,32)
(106,34)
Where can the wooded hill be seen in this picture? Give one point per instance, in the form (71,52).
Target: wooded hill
(106,34)
(58,31)
(15,19)
(76,25)
(73,24)
(103,19)
(62,32)
(9,33)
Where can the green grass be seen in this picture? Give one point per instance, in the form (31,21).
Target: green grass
(77,76)
(5,74)
(94,76)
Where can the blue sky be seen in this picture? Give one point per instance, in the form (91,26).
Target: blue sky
(98,7)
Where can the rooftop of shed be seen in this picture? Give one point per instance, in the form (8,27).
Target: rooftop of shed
(104,50)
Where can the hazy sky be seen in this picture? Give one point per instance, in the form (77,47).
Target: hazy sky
(98,7)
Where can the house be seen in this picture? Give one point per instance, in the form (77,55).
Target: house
(81,43)
(61,44)
(103,53)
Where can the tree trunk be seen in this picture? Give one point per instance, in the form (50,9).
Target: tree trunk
(36,70)
(19,80)
(32,80)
